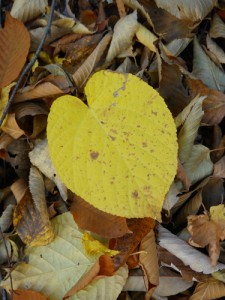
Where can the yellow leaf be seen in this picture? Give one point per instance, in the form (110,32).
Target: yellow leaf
(217,213)
(94,247)
(4,97)
(120,152)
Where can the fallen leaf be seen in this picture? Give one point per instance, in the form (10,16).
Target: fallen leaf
(217,28)
(6,218)
(216,52)
(11,127)
(146,37)
(4,97)
(208,231)
(208,290)
(14,47)
(197,261)
(27,10)
(219,168)
(88,217)
(27,295)
(123,34)
(121,191)
(30,218)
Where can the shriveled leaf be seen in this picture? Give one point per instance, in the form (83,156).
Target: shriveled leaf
(208,231)
(30,218)
(199,164)
(149,259)
(53,269)
(88,217)
(7,217)
(127,188)
(40,158)
(217,28)
(14,47)
(123,34)
(26,10)
(146,37)
(84,71)
(214,103)
(186,9)
(129,242)
(27,295)
(191,116)
(208,290)
(198,261)
(206,70)
(104,288)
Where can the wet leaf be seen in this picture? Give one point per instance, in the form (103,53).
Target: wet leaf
(105,147)
(14,47)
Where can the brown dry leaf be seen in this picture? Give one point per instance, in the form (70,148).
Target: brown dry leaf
(148,260)
(90,218)
(205,231)
(27,295)
(219,168)
(14,47)
(82,74)
(27,10)
(182,176)
(31,219)
(103,267)
(19,188)
(213,192)
(123,34)
(11,127)
(129,242)
(217,28)
(213,105)
(215,51)
(208,290)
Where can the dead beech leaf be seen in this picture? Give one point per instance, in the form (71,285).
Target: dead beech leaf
(185,9)
(219,168)
(26,10)
(148,259)
(215,51)
(208,231)
(31,219)
(27,295)
(14,47)
(182,176)
(123,34)
(11,127)
(208,290)
(146,37)
(206,70)
(81,75)
(214,103)
(217,28)
(129,242)
(90,218)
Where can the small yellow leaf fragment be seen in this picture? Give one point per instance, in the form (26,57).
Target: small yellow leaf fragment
(217,212)
(93,247)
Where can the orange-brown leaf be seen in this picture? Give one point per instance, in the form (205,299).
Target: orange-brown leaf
(27,295)
(90,218)
(14,47)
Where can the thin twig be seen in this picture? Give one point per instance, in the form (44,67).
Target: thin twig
(30,64)
(8,258)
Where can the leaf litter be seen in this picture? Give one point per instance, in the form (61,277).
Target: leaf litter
(137,136)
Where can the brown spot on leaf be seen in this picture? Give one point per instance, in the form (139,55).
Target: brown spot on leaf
(94,155)
(112,138)
(135,194)
(144,144)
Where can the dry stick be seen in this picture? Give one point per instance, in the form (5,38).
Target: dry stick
(30,64)
(121,8)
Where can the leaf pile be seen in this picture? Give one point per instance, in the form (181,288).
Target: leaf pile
(112,153)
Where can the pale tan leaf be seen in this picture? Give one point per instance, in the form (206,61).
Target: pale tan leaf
(186,9)
(84,71)
(6,217)
(123,34)
(146,37)
(206,70)
(19,188)
(190,117)
(11,127)
(26,10)
(149,259)
(40,158)
(171,197)
(198,261)
(208,291)
(215,50)
(217,28)
(135,5)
